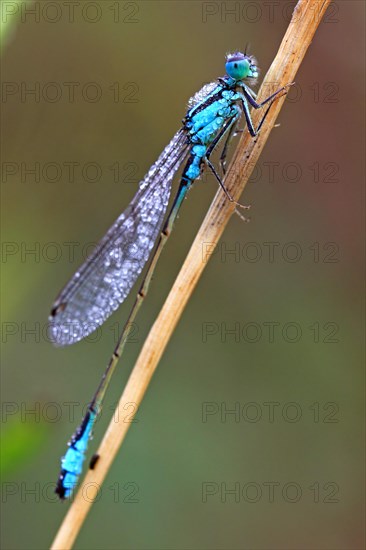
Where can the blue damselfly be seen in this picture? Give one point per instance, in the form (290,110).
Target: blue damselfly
(106,278)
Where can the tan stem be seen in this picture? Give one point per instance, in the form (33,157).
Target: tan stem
(305,20)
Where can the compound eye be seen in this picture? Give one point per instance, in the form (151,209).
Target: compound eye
(238,69)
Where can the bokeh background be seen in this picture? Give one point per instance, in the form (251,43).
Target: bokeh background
(287,469)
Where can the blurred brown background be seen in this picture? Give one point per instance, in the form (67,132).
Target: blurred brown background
(111,82)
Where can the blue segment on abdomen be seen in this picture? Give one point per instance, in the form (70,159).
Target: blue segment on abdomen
(72,461)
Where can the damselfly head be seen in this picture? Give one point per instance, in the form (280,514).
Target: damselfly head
(240,66)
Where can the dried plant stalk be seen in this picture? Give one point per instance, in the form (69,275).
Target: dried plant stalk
(305,20)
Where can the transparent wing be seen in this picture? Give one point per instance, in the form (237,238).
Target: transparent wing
(106,278)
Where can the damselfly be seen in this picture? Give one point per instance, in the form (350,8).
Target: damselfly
(106,278)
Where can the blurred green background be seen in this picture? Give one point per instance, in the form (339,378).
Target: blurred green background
(284,471)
